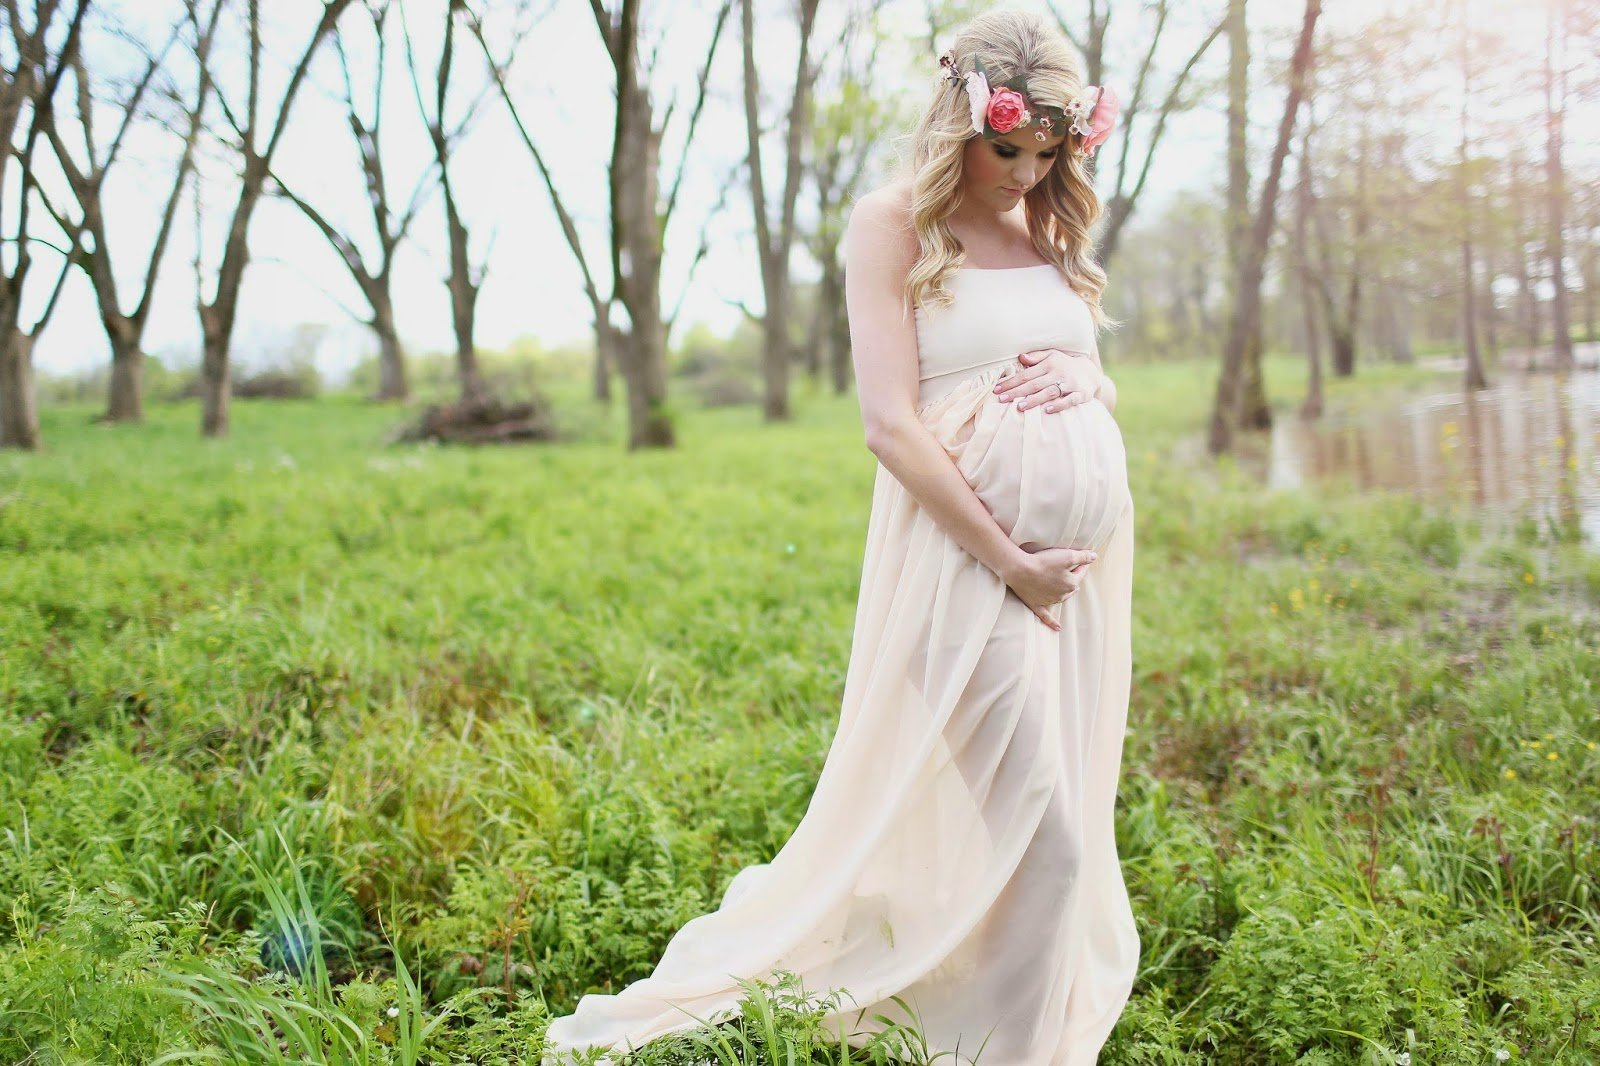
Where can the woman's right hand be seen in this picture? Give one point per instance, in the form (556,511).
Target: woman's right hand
(1044,578)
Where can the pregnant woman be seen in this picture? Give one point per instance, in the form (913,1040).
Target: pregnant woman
(957,854)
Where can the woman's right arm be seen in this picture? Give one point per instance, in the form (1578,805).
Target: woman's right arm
(879,252)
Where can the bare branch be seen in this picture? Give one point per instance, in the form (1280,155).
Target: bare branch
(699,107)
(569,228)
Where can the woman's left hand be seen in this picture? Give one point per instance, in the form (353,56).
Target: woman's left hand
(1077,372)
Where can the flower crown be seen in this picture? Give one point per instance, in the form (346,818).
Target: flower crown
(1005,107)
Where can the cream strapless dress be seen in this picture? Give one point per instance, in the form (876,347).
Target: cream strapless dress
(958,851)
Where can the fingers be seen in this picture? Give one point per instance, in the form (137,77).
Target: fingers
(1071,399)
(1008,387)
(1023,391)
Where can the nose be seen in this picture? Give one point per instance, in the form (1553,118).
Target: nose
(1024,175)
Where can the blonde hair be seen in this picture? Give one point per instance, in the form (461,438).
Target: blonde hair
(1060,210)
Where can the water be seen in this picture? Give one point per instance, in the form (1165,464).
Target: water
(1527,447)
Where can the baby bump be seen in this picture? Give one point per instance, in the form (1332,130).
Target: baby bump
(1051,479)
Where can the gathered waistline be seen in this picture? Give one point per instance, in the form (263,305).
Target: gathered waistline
(983,372)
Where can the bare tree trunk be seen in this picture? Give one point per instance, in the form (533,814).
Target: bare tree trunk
(1475,377)
(1244,335)
(1527,309)
(773,248)
(392,384)
(1555,181)
(608,339)
(1591,282)
(835,325)
(636,243)
(638,224)
(1490,318)
(217,316)
(1237,365)
(1398,320)
(1345,334)
(1251,410)
(464,279)
(19,415)
(843,135)
(1238,205)
(390,228)
(605,359)
(32,85)
(125,397)
(465,283)
(1305,194)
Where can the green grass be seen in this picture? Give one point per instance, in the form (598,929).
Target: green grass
(386,754)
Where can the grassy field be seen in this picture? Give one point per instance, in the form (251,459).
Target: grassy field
(318,749)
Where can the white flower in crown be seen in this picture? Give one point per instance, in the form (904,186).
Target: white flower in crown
(978,98)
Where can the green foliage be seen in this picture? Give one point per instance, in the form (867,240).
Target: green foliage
(300,730)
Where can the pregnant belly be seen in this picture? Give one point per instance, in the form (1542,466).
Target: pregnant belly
(1056,479)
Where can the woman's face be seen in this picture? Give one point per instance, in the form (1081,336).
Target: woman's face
(999,172)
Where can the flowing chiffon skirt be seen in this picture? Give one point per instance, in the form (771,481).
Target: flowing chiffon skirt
(958,850)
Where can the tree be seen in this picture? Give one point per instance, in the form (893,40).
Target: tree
(125,330)
(1132,172)
(1244,327)
(217,315)
(846,126)
(1310,286)
(638,219)
(465,279)
(1555,105)
(31,86)
(1475,377)
(774,242)
(390,228)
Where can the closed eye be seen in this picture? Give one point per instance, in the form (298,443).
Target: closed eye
(1012,153)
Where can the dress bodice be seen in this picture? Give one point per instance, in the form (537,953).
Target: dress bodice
(997,314)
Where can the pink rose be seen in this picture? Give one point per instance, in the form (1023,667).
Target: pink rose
(1006,109)
(1101,119)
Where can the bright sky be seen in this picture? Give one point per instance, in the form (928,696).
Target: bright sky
(533,284)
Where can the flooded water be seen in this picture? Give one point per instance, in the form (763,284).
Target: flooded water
(1528,446)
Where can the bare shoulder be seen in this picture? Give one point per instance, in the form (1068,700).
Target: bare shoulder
(880,227)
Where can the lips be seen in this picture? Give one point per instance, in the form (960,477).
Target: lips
(1013,192)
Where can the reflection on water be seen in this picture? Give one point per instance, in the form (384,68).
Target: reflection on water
(1527,446)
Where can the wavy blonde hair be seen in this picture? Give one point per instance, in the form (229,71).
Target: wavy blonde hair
(1060,210)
